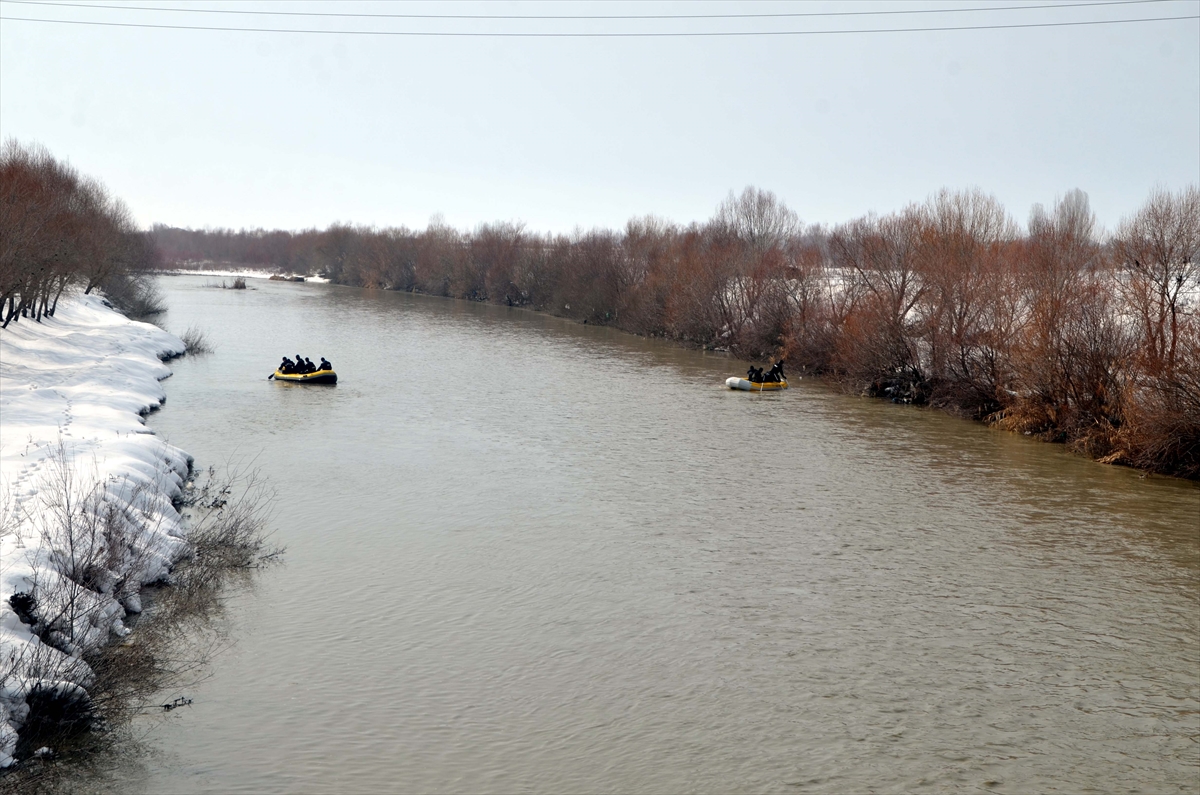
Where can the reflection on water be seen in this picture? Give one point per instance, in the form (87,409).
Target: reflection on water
(526,555)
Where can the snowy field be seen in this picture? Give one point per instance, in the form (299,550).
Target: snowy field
(73,392)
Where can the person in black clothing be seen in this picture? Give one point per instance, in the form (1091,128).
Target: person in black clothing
(285,364)
(309,367)
(325,365)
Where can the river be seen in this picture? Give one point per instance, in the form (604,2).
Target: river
(525,555)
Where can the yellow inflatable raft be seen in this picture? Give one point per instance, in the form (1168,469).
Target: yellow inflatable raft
(319,377)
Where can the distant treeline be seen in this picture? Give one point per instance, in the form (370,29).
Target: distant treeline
(1049,330)
(60,230)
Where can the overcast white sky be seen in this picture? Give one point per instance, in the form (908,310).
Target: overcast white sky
(247,129)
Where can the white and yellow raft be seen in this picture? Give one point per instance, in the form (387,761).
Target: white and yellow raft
(754,386)
(319,377)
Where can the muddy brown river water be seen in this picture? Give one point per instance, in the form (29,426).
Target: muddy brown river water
(530,556)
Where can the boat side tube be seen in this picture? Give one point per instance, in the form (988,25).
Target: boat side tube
(319,377)
(753,386)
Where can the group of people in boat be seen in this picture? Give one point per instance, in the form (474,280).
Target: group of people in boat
(773,376)
(303,365)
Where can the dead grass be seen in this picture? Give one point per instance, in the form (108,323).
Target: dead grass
(196,340)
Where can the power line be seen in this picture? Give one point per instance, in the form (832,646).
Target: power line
(781,15)
(726,33)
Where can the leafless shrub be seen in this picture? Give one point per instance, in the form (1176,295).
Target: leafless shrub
(137,295)
(239,283)
(103,548)
(196,340)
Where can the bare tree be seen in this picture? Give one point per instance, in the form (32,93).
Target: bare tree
(1158,253)
(758,218)
(878,257)
(1159,248)
(58,230)
(964,245)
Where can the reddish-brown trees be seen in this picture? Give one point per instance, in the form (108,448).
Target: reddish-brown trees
(1157,255)
(58,230)
(965,238)
(1052,332)
(1066,354)
(879,348)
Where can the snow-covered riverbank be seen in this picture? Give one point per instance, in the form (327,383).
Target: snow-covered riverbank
(73,390)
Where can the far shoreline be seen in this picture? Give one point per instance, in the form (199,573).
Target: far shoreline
(831,381)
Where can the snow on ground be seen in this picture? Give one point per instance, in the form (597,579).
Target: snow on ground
(74,388)
(201,269)
(205,268)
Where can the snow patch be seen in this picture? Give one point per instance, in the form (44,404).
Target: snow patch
(245,273)
(74,388)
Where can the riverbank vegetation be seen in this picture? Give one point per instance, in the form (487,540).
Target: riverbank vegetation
(61,231)
(88,674)
(83,546)
(239,283)
(1053,330)
(195,340)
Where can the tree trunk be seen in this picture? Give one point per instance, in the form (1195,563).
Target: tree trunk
(12,310)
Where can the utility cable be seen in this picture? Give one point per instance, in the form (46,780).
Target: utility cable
(707,34)
(780,15)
